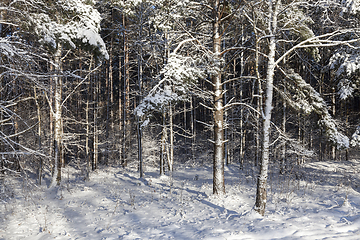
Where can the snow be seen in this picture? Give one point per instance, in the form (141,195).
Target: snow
(303,97)
(322,201)
(346,89)
(85,28)
(173,84)
(350,6)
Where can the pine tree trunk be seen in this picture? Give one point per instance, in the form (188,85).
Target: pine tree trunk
(87,118)
(95,127)
(140,82)
(283,155)
(171,145)
(126,108)
(39,135)
(193,130)
(163,145)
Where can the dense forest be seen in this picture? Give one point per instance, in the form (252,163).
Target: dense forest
(166,82)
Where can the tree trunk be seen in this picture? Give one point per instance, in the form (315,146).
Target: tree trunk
(87,118)
(57,118)
(95,127)
(171,145)
(262,178)
(39,135)
(283,155)
(126,109)
(163,145)
(218,114)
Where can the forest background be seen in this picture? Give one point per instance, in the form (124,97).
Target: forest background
(89,83)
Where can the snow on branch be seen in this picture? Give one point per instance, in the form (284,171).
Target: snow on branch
(346,62)
(350,6)
(82,29)
(346,88)
(175,83)
(355,138)
(303,97)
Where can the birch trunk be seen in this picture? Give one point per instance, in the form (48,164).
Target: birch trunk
(260,203)
(219,150)
(57,119)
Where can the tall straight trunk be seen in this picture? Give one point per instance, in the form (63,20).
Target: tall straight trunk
(260,203)
(51,120)
(121,107)
(111,87)
(108,131)
(321,145)
(259,98)
(140,82)
(139,128)
(126,108)
(333,103)
(163,145)
(218,112)
(170,155)
(95,159)
(283,155)
(242,135)
(39,135)
(16,128)
(226,153)
(171,145)
(57,118)
(87,118)
(193,129)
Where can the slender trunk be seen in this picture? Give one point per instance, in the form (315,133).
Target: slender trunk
(333,101)
(193,132)
(39,135)
(126,119)
(57,118)
(171,145)
(140,82)
(283,155)
(95,127)
(139,136)
(242,135)
(262,178)
(170,155)
(121,107)
(51,121)
(226,155)
(162,145)
(259,98)
(218,114)
(111,87)
(87,118)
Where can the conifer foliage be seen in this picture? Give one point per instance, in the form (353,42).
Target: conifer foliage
(169,82)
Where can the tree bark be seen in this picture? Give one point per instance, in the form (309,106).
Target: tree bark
(260,203)
(57,118)
(218,114)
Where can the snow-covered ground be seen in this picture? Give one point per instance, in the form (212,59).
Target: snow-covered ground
(317,201)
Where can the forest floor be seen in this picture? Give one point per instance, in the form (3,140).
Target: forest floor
(317,201)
